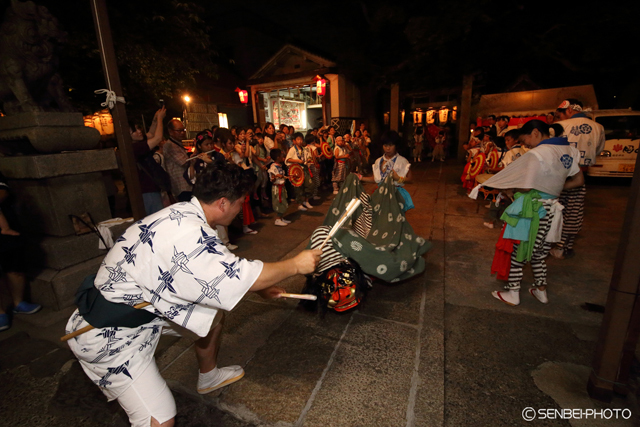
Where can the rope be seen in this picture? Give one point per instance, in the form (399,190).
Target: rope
(111,98)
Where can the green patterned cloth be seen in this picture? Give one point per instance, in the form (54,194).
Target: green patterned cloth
(391,250)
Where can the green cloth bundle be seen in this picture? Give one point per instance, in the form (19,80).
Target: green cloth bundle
(385,245)
(531,207)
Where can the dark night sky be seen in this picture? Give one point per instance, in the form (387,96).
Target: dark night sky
(422,44)
(554,44)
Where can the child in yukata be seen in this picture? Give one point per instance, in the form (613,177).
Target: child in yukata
(341,156)
(438,149)
(417,145)
(297,155)
(312,154)
(278,190)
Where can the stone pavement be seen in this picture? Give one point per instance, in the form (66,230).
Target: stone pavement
(437,350)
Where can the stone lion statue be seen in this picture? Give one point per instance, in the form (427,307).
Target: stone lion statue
(29,82)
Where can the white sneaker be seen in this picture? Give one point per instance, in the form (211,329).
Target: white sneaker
(223,377)
(539,295)
(286,221)
(308,205)
(557,253)
(247,230)
(231,247)
(302,208)
(508,297)
(280,223)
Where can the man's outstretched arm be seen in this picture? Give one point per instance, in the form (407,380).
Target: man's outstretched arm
(274,272)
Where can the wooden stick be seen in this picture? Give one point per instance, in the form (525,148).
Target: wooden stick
(89,327)
(196,156)
(351,208)
(299,296)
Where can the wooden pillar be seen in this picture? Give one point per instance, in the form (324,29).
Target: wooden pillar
(254,100)
(326,105)
(464,116)
(120,122)
(394,110)
(619,330)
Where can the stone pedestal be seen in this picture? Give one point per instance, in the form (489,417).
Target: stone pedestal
(46,133)
(49,188)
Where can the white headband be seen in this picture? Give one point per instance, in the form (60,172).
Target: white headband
(566,104)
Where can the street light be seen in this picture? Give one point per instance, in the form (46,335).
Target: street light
(186,98)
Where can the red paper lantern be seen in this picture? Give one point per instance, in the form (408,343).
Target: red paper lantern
(321,85)
(244,96)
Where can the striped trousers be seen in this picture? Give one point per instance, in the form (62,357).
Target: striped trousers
(572,215)
(540,251)
(315,178)
(339,174)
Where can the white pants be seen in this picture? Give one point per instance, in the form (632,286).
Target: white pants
(222,234)
(149,396)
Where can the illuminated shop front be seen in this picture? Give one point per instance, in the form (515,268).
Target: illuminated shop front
(300,89)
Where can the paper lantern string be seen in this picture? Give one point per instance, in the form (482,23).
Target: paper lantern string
(111,98)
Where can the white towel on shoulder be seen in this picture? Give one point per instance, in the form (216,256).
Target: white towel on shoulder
(104,228)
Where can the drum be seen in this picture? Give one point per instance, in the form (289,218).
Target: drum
(326,150)
(296,175)
(487,191)
(483,177)
(475,166)
(493,159)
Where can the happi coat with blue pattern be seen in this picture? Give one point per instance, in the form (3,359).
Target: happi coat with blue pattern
(174,260)
(586,135)
(544,168)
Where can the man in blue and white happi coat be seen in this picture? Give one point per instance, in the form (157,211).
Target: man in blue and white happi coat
(174,260)
(588,137)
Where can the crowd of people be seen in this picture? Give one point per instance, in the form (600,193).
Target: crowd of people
(321,158)
(535,176)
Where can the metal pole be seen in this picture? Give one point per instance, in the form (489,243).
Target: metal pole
(110,67)
(618,334)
